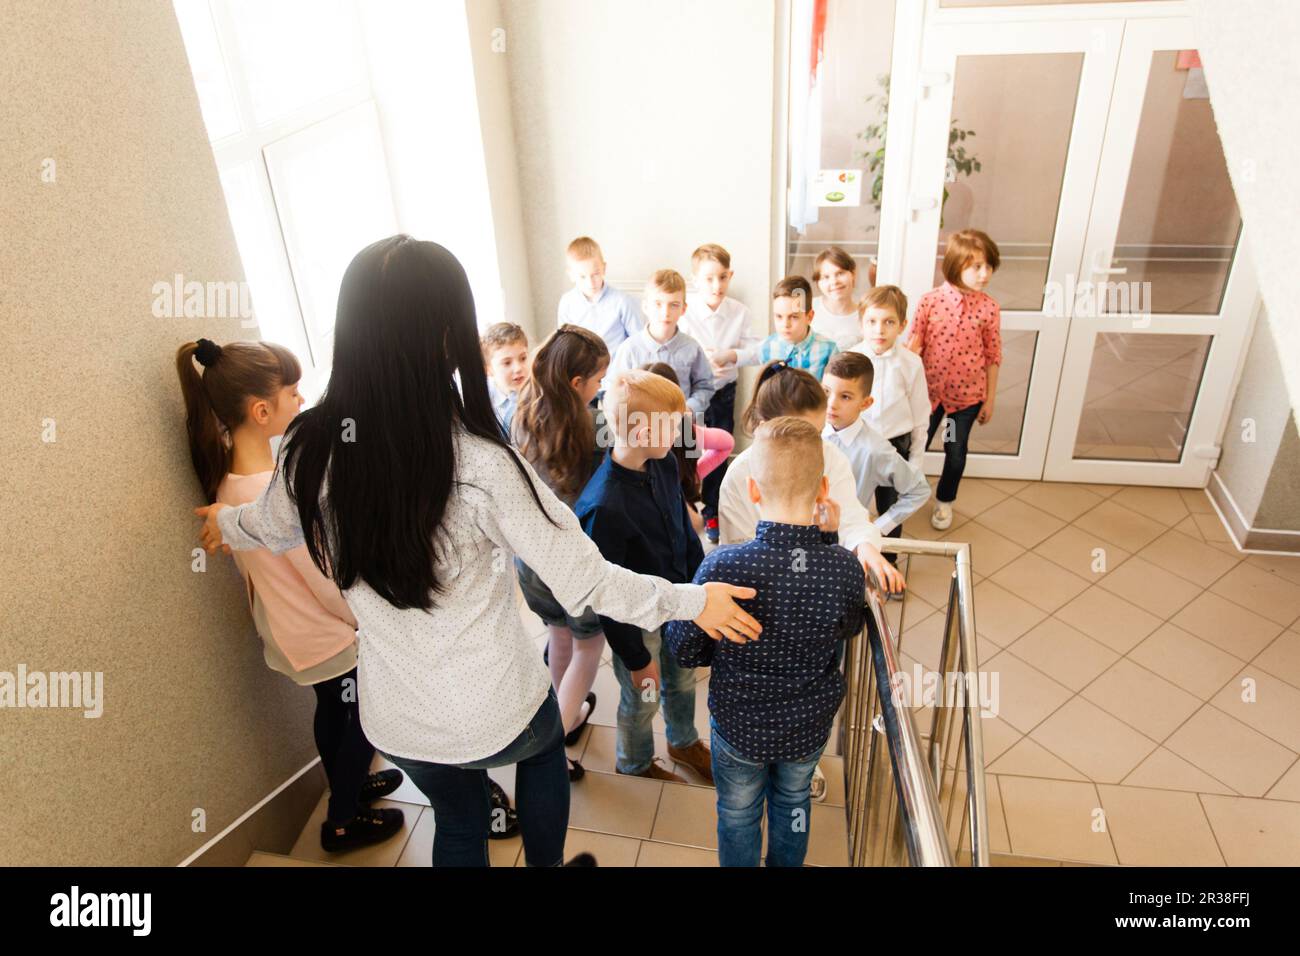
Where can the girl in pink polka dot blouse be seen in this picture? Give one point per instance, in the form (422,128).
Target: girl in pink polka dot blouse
(958,334)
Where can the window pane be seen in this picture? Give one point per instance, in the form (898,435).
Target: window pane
(262,251)
(1141,393)
(209,69)
(857,48)
(1020,144)
(333,198)
(296,52)
(1180,224)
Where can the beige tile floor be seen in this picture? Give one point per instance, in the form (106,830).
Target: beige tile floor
(1148,712)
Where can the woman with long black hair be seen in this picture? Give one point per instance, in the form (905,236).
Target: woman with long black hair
(405,493)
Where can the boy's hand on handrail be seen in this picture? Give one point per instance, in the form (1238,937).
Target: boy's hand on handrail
(211,533)
(888,576)
(723,617)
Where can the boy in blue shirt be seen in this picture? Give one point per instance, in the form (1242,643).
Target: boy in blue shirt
(633,508)
(772,701)
(593,303)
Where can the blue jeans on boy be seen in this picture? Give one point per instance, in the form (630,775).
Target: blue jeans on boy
(636,743)
(462,805)
(743,785)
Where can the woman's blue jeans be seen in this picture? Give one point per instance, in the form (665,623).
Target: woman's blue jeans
(462,806)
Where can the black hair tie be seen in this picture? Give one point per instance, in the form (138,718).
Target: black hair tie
(207,352)
(779,365)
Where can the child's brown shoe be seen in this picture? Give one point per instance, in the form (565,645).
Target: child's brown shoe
(697,757)
(656,772)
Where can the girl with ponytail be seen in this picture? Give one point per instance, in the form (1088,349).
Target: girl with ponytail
(245,395)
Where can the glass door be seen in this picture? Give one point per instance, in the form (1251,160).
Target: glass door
(1010,124)
(1164,307)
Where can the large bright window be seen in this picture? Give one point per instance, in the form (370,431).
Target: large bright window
(285,90)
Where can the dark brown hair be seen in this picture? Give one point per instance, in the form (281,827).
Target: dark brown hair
(836,256)
(852,366)
(962,247)
(794,287)
(783,390)
(687,466)
(551,425)
(500,335)
(216,400)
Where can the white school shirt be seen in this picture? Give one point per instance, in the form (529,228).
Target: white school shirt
(727,328)
(902,399)
(844,327)
(460,682)
(877,464)
(738,516)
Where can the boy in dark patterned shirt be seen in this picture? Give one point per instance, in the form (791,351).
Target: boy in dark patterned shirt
(772,701)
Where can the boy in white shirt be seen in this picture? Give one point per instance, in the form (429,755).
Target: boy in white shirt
(592,303)
(900,399)
(719,323)
(876,464)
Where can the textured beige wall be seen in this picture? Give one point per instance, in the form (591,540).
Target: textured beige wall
(95,569)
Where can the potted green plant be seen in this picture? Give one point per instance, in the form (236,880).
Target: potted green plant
(959,160)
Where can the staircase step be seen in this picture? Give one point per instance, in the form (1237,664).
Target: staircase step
(261,858)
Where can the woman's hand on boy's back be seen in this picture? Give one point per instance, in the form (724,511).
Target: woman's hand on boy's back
(723,617)
(210,535)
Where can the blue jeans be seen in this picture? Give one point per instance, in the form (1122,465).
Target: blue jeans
(954,452)
(636,742)
(462,807)
(743,785)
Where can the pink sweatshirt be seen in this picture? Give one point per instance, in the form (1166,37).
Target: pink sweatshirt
(715,444)
(310,621)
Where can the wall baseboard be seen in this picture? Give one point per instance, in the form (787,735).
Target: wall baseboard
(273,825)
(1245,537)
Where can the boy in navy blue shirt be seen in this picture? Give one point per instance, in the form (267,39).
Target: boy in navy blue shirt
(772,701)
(633,509)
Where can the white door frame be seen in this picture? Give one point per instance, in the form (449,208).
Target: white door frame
(1229,327)
(1098,41)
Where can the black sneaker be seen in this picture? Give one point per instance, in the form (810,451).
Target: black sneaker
(583,859)
(576,771)
(366,828)
(379,785)
(574,735)
(505,819)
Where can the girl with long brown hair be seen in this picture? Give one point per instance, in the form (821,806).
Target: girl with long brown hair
(556,430)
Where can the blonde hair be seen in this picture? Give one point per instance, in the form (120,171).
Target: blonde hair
(666,280)
(711,252)
(889,297)
(786,461)
(961,249)
(634,390)
(584,248)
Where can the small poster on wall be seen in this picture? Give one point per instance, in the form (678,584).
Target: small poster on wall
(836,187)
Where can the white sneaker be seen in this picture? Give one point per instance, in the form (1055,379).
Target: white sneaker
(818,788)
(941,518)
